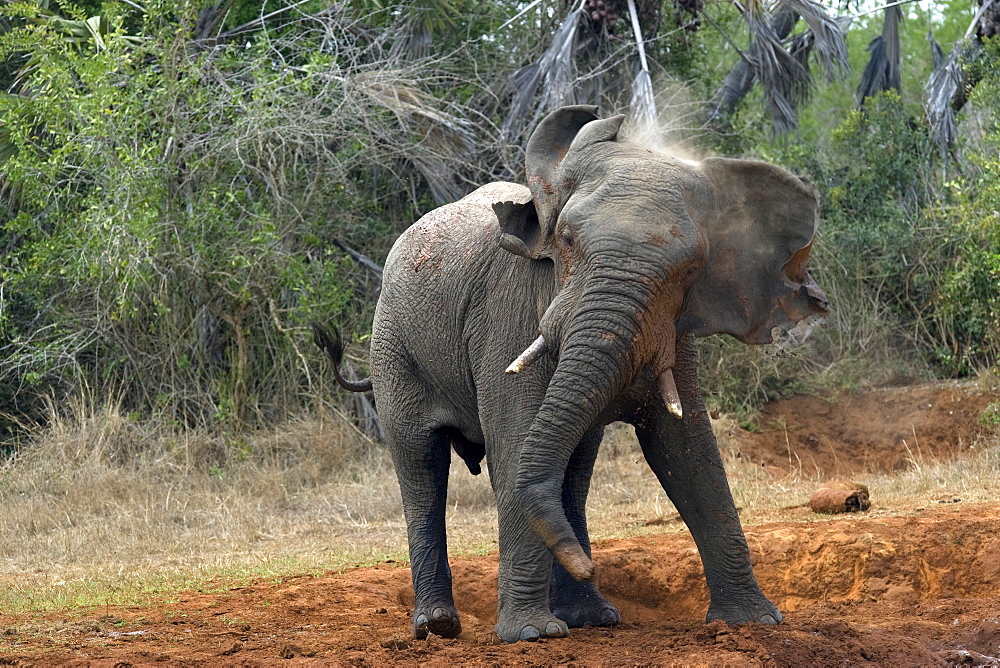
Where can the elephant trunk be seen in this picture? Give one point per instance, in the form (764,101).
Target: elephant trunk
(598,358)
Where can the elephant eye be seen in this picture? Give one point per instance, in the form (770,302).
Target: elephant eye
(566,240)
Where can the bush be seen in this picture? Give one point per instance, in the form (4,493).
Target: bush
(177,204)
(967,305)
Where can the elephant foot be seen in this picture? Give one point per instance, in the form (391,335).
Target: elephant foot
(589,612)
(530,626)
(441,620)
(759,611)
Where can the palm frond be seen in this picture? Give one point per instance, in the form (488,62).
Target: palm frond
(422,19)
(440,179)
(986,8)
(418,38)
(525,81)
(944,91)
(937,53)
(882,70)
(784,75)
(643,108)
(210,20)
(989,23)
(939,96)
(784,81)
(401,96)
(555,72)
(643,103)
(446,139)
(558,66)
(827,37)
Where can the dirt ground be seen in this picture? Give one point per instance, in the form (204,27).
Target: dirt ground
(881,432)
(914,589)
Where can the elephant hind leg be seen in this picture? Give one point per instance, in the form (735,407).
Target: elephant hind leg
(422,459)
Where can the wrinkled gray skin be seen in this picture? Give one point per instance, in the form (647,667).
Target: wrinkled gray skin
(619,257)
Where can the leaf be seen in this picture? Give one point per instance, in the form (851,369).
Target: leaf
(555,71)
(643,107)
(643,103)
(784,81)
(882,70)
(97,27)
(937,53)
(939,94)
(422,19)
(827,39)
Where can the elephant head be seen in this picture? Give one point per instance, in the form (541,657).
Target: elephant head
(647,247)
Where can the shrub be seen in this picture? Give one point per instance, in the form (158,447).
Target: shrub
(177,204)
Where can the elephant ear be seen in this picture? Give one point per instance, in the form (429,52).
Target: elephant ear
(519,231)
(562,131)
(759,222)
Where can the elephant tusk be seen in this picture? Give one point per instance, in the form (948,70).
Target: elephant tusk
(668,390)
(529,356)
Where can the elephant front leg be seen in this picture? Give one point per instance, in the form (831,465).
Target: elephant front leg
(525,564)
(580,603)
(684,455)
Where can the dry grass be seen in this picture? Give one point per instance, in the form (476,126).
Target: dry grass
(100,510)
(99,507)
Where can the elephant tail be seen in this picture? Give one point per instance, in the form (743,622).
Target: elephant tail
(334,348)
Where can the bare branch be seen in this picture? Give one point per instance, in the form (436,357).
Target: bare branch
(259,21)
(375,267)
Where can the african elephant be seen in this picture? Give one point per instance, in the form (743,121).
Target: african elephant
(602,271)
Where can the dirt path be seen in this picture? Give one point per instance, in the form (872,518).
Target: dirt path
(920,589)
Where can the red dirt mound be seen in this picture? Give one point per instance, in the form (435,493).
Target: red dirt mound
(918,590)
(880,431)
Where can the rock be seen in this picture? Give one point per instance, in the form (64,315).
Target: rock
(840,496)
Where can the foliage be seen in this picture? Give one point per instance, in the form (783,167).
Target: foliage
(990,416)
(179,182)
(176,207)
(878,186)
(968,303)
(907,254)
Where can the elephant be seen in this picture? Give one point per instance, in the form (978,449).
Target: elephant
(516,323)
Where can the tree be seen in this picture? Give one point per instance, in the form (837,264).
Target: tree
(180,199)
(783,73)
(953,78)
